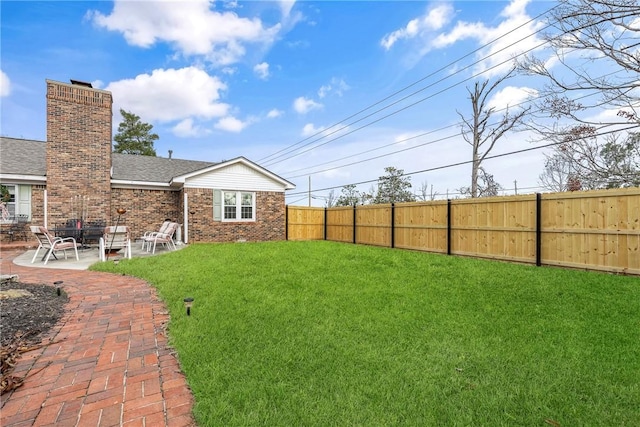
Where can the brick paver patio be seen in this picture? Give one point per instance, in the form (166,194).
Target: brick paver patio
(106,362)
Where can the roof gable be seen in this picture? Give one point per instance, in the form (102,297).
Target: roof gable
(210,176)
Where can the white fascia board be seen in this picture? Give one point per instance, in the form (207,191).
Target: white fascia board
(141,185)
(23,179)
(286,184)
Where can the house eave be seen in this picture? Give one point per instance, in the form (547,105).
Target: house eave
(142,185)
(23,179)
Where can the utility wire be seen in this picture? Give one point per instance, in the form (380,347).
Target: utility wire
(274,161)
(414,137)
(290,148)
(450,165)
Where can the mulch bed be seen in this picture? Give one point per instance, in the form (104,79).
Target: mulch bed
(27,313)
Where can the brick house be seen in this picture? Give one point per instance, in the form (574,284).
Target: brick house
(75,174)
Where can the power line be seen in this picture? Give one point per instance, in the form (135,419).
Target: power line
(450,165)
(410,138)
(290,148)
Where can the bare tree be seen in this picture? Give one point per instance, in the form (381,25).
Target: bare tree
(592,65)
(331,199)
(425,192)
(588,39)
(478,130)
(557,172)
(487,186)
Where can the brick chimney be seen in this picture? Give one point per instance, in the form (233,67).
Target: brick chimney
(78,152)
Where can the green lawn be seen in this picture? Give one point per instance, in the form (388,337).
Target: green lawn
(321,333)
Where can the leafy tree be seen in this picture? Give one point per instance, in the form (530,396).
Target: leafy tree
(349,197)
(394,187)
(478,130)
(134,136)
(588,162)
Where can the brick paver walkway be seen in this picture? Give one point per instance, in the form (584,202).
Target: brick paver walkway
(106,363)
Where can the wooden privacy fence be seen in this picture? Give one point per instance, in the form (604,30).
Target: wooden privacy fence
(597,230)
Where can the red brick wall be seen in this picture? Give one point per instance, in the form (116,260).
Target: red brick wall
(269,224)
(146,209)
(78,151)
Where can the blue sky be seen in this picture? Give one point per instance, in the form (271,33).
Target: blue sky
(225,79)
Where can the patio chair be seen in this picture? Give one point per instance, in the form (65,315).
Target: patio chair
(165,238)
(115,238)
(163,229)
(52,244)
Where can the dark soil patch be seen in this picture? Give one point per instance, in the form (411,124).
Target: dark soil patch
(29,316)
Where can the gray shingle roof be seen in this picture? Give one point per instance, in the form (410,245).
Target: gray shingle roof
(28,157)
(130,167)
(22,157)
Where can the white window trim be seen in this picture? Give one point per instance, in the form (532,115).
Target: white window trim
(10,219)
(238,217)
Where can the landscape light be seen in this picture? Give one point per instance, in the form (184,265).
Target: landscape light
(188,302)
(58,286)
(116,261)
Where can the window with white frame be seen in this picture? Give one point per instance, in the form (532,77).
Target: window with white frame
(18,202)
(238,206)
(9,205)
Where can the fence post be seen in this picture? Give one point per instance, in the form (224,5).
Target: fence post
(325,224)
(393,230)
(538,229)
(286,222)
(448,226)
(354,223)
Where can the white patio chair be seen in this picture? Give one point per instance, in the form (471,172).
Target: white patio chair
(115,238)
(52,244)
(165,238)
(162,229)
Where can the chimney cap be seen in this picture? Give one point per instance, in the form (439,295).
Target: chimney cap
(80,83)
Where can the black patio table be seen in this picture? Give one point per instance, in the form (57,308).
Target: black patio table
(81,232)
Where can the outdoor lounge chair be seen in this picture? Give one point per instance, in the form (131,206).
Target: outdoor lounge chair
(51,244)
(165,238)
(163,229)
(115,238)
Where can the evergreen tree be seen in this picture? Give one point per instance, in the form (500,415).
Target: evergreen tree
(394,187)
(134,136)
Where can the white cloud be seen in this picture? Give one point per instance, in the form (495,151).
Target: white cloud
(172,94)
(231,124)
(186,129)
(310,129)
(262,70)
(5,84)
(303,105)
(514,27)
(510,96)
(435,18)
(336,86)
(191,27)
(286,6)
(275,113)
